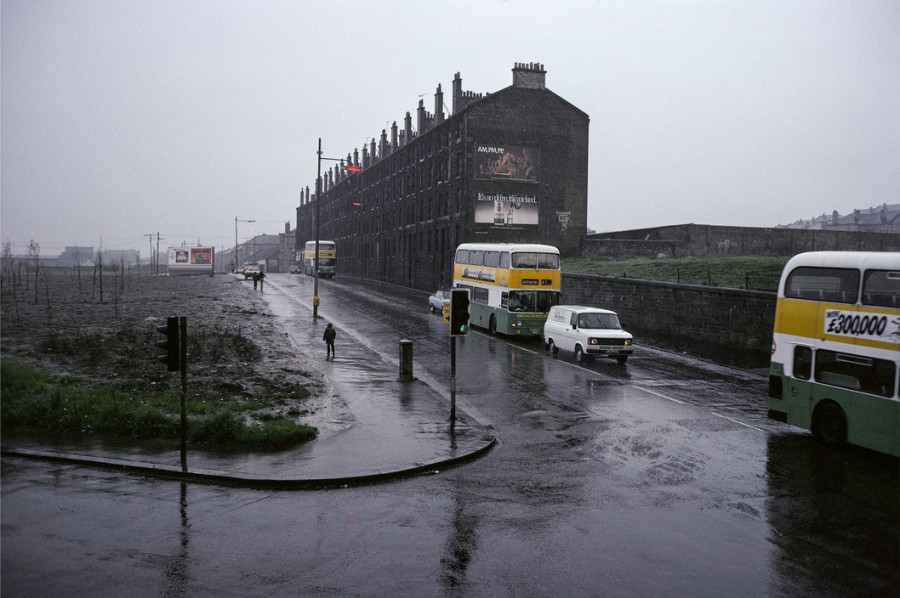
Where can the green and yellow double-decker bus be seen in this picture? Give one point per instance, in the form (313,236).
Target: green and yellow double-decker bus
(511,286)
(327,258)
(836,348)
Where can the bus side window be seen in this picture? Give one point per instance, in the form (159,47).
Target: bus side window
(802,362)
(504,299)
(881,287)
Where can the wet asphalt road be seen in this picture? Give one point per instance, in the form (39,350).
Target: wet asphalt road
(660,477)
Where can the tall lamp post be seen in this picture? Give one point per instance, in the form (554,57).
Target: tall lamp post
(316,259)
(347,168)
(236,243)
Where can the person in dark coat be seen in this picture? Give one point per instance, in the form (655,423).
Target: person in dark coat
(328,337)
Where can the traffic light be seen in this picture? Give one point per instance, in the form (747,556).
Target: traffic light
(459,312)
(172,344)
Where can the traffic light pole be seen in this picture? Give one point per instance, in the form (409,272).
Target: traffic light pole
(452,384)
(182,324)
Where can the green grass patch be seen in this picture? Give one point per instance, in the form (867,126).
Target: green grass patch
(740,272)
(34,400)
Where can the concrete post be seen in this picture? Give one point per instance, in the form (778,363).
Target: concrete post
(406,361)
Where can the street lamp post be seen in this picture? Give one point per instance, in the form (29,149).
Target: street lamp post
(316,259)
(318,199)
(236,241)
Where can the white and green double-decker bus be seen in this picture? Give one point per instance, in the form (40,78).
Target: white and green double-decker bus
(511,286)
(836,348)
(327,258)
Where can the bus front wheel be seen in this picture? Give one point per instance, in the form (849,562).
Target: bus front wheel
(830,424)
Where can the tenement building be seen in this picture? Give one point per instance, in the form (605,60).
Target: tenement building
(508,166)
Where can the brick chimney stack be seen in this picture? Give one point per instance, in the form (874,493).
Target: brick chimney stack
(438,105)
(530,76)
(457,93)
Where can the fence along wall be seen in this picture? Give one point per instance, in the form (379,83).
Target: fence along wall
(732,325)
(709,240)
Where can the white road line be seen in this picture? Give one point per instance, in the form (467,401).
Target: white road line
(738,422)
(660,395)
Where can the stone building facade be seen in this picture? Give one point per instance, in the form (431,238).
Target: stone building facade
(508,166)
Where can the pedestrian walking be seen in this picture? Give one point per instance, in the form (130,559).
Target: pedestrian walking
(328,337)
(255,280)
(261,276)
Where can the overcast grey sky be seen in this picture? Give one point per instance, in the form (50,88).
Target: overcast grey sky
(122,118)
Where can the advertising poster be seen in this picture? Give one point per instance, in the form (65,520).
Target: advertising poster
(507,162)
(190,260)
(506,209)
(201,255)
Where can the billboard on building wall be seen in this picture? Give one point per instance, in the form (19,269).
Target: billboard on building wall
(191,260)
(507,162)
(506,209)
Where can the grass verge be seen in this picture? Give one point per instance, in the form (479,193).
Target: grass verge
(740,272)
(34,400)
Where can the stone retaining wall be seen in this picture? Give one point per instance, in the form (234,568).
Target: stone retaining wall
(732,325)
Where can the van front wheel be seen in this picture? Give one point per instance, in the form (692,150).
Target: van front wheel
(579,354)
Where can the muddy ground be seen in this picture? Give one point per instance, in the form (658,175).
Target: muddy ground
(104,331)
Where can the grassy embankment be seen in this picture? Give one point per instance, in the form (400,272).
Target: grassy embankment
(33,399)
(741,272)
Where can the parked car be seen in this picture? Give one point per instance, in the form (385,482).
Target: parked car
(250,270)
(437,300)
(587,332)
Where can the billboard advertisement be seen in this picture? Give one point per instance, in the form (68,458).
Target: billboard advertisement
(507,162)
(192,260)
(506,209)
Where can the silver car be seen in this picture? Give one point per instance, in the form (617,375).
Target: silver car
(438,299)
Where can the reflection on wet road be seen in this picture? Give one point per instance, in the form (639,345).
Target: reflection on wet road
(659,477)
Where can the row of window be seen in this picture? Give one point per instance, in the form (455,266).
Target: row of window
(502,259)
(855,372)
(842,285)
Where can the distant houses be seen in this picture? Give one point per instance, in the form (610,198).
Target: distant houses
(880,219)
(75,256)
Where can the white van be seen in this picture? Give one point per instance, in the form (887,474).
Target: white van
(586,332)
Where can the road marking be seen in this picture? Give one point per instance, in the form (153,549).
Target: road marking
(659,394)
(738,422)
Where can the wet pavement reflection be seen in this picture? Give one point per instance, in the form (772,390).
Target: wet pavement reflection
(659,477)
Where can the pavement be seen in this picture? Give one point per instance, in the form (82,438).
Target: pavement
(376,428)
(399,429)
